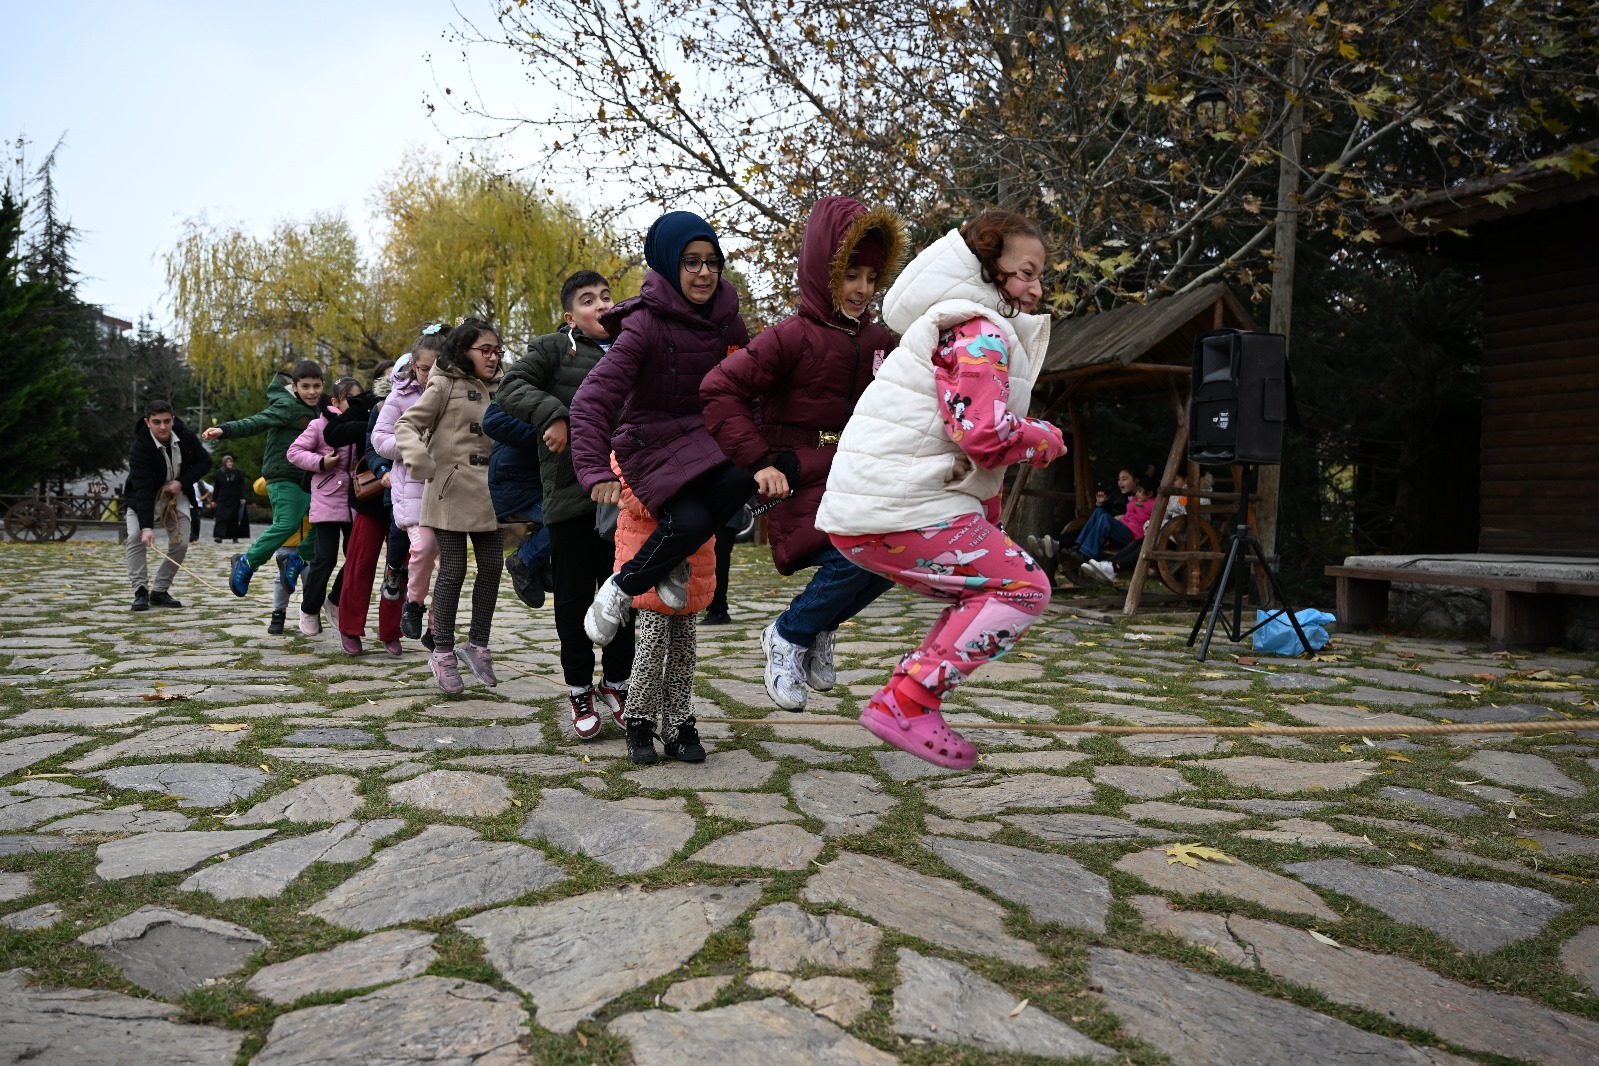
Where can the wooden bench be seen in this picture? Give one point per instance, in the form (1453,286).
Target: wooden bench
(1524,612)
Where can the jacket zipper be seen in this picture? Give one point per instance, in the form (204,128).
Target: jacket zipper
(854,369)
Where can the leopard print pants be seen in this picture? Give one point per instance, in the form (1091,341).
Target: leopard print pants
(662,686)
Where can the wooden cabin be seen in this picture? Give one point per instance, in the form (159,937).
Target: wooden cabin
(1532,234)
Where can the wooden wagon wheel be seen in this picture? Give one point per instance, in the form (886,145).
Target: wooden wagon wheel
(1174,537)
(64,528)
(31,520)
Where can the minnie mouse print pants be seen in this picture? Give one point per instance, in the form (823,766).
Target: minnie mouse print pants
(994,590)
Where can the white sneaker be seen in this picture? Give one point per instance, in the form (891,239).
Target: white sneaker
(819,671)
(1049,547)
(1098,572)
(310,624)
(673,588)
(607,613)
(785,670)
(333,614)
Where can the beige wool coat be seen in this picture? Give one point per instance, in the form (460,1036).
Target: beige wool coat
(441,441)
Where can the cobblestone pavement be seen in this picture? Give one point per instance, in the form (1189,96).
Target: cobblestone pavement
(219,846)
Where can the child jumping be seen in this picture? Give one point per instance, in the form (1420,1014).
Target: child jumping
(441,440)
(805,375)
(296,398)
(683,322)
(280,590)
(539,389)
(331,468)
(661,693)
(411,376)
(914,490)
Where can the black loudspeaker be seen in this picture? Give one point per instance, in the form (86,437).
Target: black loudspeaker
(1241,398)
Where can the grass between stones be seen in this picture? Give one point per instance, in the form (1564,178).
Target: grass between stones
(1062,648)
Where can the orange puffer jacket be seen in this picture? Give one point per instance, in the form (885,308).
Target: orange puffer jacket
(633,527)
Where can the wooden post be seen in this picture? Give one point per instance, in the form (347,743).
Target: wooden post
(1269,482)
(1179,444)
(1082,464)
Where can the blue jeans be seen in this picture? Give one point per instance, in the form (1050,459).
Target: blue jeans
(535,549)
(838,591)
(1102,529)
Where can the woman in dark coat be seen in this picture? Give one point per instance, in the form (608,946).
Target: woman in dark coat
(232,521)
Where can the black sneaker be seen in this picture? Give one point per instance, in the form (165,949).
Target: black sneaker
(411,620)
(275,627)
(394,583)
(641,741)
(529,589)
(717,618)
(141,599)
(163,599)
(427,640)
(685,746)
(1072,559)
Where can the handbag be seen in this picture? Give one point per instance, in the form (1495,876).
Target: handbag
(366,484)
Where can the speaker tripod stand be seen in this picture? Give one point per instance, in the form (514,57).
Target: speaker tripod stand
(1244,549)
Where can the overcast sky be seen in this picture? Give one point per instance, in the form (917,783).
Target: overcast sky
(246,113)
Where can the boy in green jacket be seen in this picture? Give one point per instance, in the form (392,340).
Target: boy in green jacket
(289,410)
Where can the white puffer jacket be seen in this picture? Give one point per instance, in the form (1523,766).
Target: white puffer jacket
(894,456)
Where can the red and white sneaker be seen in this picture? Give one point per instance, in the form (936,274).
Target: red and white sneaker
(586,721)
(613,698)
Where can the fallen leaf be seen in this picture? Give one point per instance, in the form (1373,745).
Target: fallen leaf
(1533,844)
(1017,1010)
(1190,854)
(1322,938)
(516,802)
(267,768)
(581,1039)
(1396,757)
(1346,749)
(228,727)
(1413,844)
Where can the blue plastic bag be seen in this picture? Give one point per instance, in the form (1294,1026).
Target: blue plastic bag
(1276,634)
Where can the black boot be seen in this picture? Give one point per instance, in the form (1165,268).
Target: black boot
(685,744)
(641,741)
(159,598)
(526,584)
(411,620)
(275,627)
(141,599)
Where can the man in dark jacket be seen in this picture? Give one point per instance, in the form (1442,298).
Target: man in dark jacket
(228,496)
(537,389)
(164,461)
(518,494)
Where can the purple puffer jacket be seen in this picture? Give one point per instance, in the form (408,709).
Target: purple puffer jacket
(404,490)
(330,488)
(648,385)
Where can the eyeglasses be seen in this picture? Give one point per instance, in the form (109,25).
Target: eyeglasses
(486,350)
(694,264)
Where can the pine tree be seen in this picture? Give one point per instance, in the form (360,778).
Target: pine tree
(39,405)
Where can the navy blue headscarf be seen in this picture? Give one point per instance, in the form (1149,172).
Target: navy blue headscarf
(664,244)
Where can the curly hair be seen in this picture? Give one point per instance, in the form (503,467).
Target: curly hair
(460,339)
(986,235)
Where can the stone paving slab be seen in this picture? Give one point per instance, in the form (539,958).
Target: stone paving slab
(1472,915)
(768,1031)
(80,1025)
(171,952)
(372,960)
(573,956)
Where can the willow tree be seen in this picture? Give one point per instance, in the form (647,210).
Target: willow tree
(451,241)
(463,240)
(248,305)
(1150,136)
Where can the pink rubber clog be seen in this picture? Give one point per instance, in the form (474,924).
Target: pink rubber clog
(925,736)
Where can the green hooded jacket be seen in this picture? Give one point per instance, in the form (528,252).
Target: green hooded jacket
(285,416)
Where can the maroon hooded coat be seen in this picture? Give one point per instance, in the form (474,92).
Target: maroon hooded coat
(805,374)
(651,375)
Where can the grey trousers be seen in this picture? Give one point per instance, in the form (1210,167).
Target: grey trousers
(176,525)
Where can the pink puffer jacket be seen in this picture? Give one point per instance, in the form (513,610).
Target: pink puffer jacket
(404,491)
(330,488)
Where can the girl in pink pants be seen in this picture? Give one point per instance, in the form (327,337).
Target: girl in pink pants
(914,492)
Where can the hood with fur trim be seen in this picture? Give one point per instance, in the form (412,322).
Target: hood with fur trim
(832,233)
